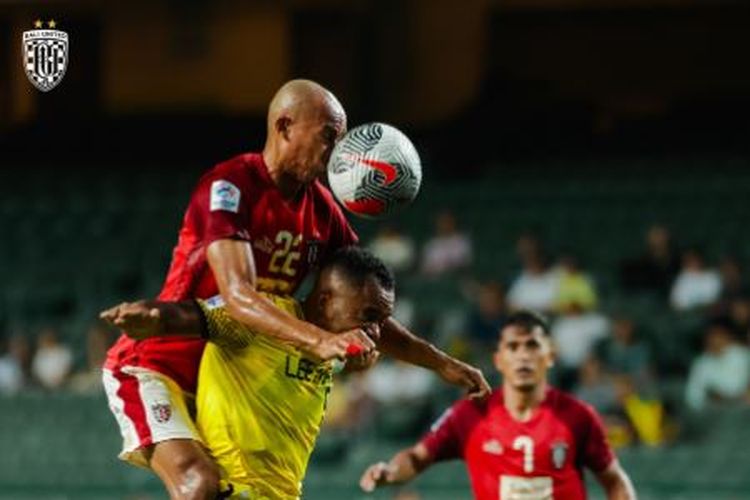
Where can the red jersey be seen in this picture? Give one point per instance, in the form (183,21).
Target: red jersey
(542,458)
(238,200)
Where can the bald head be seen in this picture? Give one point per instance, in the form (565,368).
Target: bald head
(304,99)
(304,122)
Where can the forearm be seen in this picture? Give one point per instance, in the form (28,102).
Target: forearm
(406,465)
(178,318)
(400,343)
(234,270)
(622,490)
(616,483)
(260,314)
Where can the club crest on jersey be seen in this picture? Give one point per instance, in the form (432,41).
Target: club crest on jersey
(225,196)
(45,55)
(162,412)
(559,454)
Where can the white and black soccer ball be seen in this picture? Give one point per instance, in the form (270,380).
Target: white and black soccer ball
(374,170)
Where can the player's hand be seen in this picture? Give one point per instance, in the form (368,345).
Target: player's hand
(335,346)
(376,475)
(362,362)
(137,319)
(458,373)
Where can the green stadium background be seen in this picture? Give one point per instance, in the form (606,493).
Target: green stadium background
(584,122)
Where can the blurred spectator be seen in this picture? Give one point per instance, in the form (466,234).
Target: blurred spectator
(695,285)
(348,408)
(89,380)
(624,354)
(722,372)
(575,333)
(739,312)
(448,250)
(596,387)
(405,311)
(656,268)
(393,248)
(575,286)
(733,285)
(52,361)
(396,382)
(488,316)
(537,286)
(20,350)
(402,393)
(645,416)
(627,415)
(11,373)
(528,246)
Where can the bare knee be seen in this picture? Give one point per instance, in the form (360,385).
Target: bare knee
(197,479)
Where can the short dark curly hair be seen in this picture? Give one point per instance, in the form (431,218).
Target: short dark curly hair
(358,264)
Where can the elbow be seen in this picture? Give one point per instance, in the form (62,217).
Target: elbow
(237,300)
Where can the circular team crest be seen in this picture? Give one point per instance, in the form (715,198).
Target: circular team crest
(162,412)
(45,55)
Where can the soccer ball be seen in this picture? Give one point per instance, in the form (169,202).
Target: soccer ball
(374,170)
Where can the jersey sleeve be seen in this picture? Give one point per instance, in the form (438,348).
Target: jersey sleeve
(343,234)
(445,440)
(597,454)
(219,327)
(220,205)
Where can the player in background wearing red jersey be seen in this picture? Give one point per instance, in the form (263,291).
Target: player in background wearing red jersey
(527,440)
(258,222)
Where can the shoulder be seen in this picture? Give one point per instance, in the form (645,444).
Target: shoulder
(241,170)
(572,409)
(324,195)
(326,203)
(468,412)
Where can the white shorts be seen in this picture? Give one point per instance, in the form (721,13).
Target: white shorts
(150,408)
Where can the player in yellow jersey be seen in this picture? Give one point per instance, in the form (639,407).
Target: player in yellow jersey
(260,402)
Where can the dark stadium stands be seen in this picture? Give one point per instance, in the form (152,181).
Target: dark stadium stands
(76,242)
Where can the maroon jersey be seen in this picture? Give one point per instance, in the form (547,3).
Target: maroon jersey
(238,200)
(542,458)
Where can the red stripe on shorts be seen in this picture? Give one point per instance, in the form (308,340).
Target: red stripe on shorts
(133,406)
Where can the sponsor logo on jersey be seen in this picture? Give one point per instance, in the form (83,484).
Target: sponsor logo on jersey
(45,55)
(492,447)
(306,370)
(225,196)
(162,412)
(526,488)
(263,244)
(214,302)
(559,453)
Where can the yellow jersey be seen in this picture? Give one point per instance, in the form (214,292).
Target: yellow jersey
(259,404)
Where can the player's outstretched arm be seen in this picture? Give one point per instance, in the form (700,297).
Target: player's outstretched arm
(404,466)
(397,341)
(149,318)
(616,482)
(233,267)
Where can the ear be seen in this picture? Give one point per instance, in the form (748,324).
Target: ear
(552,355)
(322,299)
(496,359)
(282,125)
